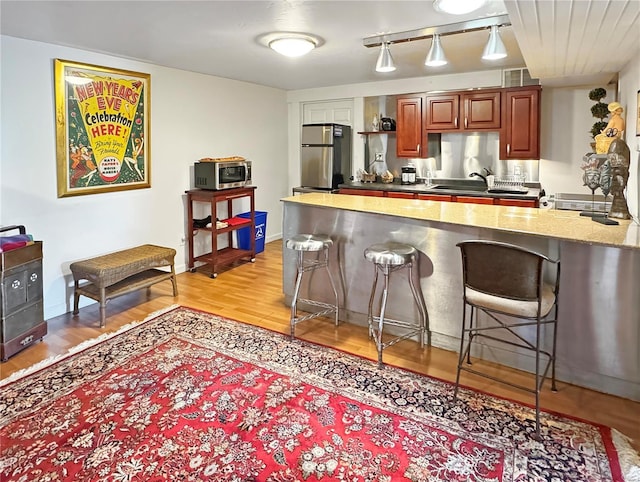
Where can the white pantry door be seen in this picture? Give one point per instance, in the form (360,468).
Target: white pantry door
(337,111)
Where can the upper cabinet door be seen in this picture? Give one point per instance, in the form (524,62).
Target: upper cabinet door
(471,111)
(520,137)
(443,112)
(481,110)
(409,133)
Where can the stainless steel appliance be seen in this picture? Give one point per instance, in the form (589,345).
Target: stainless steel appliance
(583,202)
(222,174)
(325,155)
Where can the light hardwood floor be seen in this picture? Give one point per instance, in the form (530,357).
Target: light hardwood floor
(252,293)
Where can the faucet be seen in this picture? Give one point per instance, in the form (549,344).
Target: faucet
(475,174)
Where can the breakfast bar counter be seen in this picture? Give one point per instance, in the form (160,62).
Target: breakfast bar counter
(599,302)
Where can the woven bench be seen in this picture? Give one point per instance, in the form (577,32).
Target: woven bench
(122,272)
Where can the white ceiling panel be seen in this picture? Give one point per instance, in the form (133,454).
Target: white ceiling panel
(562,42)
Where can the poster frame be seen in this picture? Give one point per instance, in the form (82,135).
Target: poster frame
(89,164)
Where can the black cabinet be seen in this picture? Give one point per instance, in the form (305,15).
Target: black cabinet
(21,305)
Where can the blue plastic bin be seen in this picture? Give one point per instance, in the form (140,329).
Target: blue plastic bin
(244,241)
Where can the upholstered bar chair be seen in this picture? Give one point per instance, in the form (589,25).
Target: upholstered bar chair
(506,282)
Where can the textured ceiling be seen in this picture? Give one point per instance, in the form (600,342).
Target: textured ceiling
(566,42)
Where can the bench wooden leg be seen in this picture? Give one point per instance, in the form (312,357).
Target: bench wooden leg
(76,298)
(103,307)
(174,281)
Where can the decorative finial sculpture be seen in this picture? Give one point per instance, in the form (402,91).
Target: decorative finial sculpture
(619,157)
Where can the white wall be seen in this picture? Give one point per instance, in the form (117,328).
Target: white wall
(565,137)
(629,88)
(192,116)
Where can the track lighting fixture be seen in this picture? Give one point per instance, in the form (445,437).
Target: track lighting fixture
(494,49)
(436,57)
(385,61)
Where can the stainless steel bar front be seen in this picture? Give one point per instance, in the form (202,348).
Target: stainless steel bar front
(599,316)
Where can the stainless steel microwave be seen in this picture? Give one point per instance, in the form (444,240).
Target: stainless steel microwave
(222,174)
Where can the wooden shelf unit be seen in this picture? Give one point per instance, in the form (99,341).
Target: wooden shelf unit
(223,256)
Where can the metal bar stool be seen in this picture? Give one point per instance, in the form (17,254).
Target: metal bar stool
(320,244)
(506,283)
(386,258)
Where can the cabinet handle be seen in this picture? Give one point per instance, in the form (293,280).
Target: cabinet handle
(455,122)
(465,123)
(508,149)
(418,148)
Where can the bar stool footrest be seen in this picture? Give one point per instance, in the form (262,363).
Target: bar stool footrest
(415,330)
(328,308)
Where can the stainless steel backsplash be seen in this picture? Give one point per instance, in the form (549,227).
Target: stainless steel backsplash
(453,156)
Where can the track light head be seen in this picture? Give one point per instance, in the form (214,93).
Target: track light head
(436,56)
(495,49)
(385,61)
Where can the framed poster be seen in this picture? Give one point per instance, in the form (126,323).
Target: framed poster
(102,129)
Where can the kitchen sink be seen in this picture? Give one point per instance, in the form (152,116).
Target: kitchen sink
(451,187)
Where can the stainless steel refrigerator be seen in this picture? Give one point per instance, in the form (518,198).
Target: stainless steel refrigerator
(325,155)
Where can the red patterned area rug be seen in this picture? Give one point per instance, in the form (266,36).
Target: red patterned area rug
(191,396)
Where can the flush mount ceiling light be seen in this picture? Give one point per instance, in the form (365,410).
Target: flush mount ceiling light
(436,57)
(494,49)
(457,7)
(290,44)
(385,61)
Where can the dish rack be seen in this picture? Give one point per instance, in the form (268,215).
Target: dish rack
(513,182)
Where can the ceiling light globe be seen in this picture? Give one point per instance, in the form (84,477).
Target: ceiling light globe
(292,46)
(457,7)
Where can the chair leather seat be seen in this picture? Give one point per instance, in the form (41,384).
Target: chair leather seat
(524,309)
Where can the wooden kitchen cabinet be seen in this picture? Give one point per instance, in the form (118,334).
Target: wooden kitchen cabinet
(401,195)
(411,137)
(442,112)
(474,200)
(520,135)
(435,197)
(468,111)
(523,203)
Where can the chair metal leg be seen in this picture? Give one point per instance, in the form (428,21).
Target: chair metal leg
(473,316)
(383,308)
(371,298)
(296,292)
(422,309)
(461,354)
(333,285)
(538,381)
(553,349)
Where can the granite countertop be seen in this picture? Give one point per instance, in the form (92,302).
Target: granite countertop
(551,223)
(532,192)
